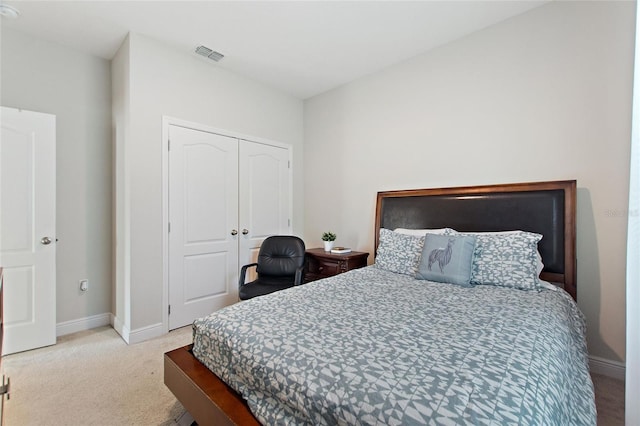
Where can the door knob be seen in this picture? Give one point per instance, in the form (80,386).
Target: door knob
(234,232)
(45,241)
(245,231)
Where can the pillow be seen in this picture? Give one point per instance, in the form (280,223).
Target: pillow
(506,259)
(421,232)
(539,264)
(398,253)
(447,259)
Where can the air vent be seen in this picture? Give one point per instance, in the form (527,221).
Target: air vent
(208,53)
(9,11)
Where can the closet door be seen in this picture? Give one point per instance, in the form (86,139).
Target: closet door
(264,191)
(203,215)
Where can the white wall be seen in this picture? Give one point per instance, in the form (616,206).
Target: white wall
(42,76)
(543,96)
(164,81)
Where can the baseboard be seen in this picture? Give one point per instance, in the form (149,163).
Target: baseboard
(137,335)
(120,328)
(146,333)
(82,324)
(607,367)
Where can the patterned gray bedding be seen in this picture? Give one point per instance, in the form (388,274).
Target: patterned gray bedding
(379,348)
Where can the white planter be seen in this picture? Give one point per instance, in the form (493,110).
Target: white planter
(328,245)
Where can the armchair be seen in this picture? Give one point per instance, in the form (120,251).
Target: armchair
(280,265)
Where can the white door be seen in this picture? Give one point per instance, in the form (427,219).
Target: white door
(27,228)
(264,197)
(203,216)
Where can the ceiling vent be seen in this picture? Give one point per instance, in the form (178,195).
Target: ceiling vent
(9,11)
(208,53)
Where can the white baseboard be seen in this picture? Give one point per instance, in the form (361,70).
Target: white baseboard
(146,333)
(129,336)
(120,328)
(82,324)
(607,367)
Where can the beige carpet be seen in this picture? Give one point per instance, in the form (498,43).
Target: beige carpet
(93,378)
(609,400)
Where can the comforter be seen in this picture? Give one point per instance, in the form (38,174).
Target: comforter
(378,348)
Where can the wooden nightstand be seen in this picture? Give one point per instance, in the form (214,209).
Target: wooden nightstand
(322,264)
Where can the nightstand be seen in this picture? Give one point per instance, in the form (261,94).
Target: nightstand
(322,264)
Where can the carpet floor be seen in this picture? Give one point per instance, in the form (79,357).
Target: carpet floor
(609,400)
(95,378)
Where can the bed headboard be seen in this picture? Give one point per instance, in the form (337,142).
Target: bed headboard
(547,208)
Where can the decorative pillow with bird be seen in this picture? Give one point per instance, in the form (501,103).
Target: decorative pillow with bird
(447,259)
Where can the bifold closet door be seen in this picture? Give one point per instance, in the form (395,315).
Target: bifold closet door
(264,193)
(203,217)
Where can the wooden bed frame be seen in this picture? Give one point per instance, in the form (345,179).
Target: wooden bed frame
(547,208)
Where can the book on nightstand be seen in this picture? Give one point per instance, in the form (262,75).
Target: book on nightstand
(340,250)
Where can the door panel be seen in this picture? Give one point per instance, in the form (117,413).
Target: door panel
(21,312)
(264,196)
(203,211)
(205,275)
(27,215)
(205,181)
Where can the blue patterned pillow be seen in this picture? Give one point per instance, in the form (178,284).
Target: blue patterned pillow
(447,259)
(506,259)
(399,253)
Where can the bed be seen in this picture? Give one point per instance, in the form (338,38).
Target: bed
(378,346)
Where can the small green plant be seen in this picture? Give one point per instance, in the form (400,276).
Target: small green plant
(328,236)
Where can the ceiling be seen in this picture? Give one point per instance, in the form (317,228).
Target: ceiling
(301,47)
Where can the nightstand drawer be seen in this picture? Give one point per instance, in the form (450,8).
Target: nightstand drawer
(325,267)
(322,264)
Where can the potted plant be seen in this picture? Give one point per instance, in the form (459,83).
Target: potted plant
(328,238)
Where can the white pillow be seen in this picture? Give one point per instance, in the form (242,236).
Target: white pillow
(540,265)
(423,232)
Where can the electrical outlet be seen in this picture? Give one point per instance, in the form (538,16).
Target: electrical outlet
(84,285)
